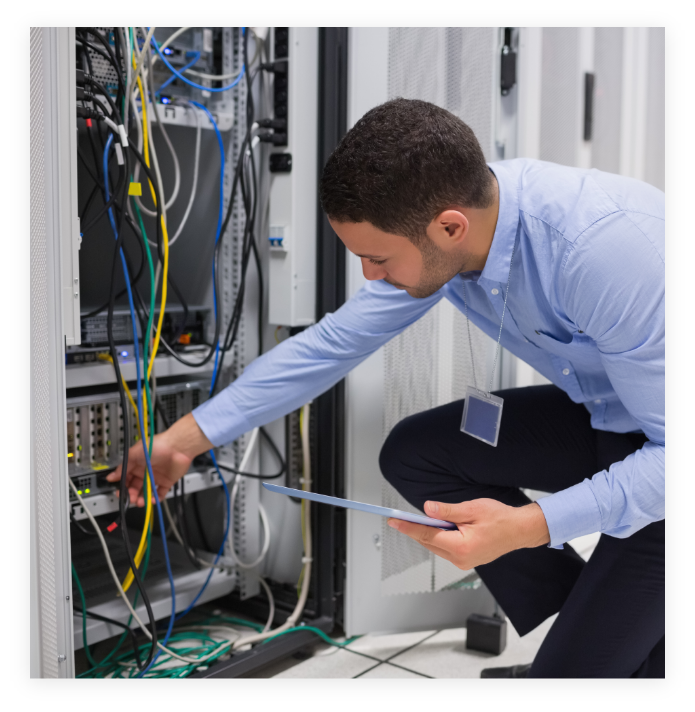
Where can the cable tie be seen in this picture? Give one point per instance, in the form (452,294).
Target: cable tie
(111,527)
(307,559)
(119,153)
(124,136)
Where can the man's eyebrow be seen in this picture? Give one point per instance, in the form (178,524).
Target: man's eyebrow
(370,257)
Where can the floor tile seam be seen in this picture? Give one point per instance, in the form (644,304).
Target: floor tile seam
(364,672)
(415,672)
(405,669)
(405,650)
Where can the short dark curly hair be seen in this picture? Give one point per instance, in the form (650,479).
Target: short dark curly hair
(401,165)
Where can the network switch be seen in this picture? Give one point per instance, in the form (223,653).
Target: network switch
(96,430)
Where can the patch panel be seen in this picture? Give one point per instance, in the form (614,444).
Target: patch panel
(95,430)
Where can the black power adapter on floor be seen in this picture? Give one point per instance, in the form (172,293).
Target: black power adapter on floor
(486,634)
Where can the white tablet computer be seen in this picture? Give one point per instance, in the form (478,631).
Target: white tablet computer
(369,508)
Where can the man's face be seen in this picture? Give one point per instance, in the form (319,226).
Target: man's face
(420,271)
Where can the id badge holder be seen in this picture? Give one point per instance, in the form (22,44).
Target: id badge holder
(482,414)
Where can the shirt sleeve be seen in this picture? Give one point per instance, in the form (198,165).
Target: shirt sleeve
(306,365)
(613,290)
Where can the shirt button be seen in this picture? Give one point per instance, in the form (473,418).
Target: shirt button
(565,372)
(495,291)
(597,401)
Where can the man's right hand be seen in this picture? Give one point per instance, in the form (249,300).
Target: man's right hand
(172,454)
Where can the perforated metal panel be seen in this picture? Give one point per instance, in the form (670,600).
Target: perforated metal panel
(654,159)
(40,381)
(608,94)
(559,111)
(429,363)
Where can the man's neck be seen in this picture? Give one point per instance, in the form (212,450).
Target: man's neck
(483,224)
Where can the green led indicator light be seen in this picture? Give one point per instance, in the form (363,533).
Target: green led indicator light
(86,491)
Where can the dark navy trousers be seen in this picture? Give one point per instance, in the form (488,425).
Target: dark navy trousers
(612,608)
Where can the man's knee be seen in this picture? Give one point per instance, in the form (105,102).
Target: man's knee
(400,450)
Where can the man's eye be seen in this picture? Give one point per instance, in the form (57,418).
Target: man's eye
(377,262)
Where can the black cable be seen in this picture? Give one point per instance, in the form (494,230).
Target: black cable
(111,56)
(232,329)
(89,79)
(134,281)
(88,204)
(182,524)
(276,452)
(124,495)
(93,47)
(80,527)
(98,617)
(120,52)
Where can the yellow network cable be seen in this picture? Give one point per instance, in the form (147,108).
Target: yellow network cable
(142,546)
(149,519)
(165,234)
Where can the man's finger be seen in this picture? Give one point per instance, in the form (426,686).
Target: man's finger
(458,513)
(427,536)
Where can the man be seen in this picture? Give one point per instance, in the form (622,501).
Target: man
(574,261)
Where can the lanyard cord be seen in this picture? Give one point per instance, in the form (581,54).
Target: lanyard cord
(499,337)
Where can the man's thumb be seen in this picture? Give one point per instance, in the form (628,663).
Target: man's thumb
(451,512)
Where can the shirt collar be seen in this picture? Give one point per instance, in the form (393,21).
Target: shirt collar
(497,265)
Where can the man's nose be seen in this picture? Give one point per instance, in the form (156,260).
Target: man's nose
(372,271)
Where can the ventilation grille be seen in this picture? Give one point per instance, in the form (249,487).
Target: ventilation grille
(429,363)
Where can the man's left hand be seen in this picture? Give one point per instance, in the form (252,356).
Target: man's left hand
(487,529)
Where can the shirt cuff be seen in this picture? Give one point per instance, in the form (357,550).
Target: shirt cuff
(220,420)
(571,513)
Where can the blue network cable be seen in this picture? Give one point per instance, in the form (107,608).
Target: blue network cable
(188,81)
(217,351)
(224,540)
(143,437)
(196,57)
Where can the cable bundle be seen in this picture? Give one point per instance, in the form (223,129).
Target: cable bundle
(132,60)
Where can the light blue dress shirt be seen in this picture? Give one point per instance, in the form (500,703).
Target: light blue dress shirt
(585,308)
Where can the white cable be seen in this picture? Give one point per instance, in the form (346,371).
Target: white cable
(224,562)
(170,39)
(307,558)
(196,164)
(117,582)
(125,35)
(111,124)
(266,533)
(155,162)
(139,64)
(271,602)
(166,204)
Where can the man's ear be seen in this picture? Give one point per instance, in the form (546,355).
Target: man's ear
(449,229)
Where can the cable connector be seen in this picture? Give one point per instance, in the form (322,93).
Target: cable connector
(277,124)
(124,136)
(278,67)
(277,139)
(79,77)
(84,112)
